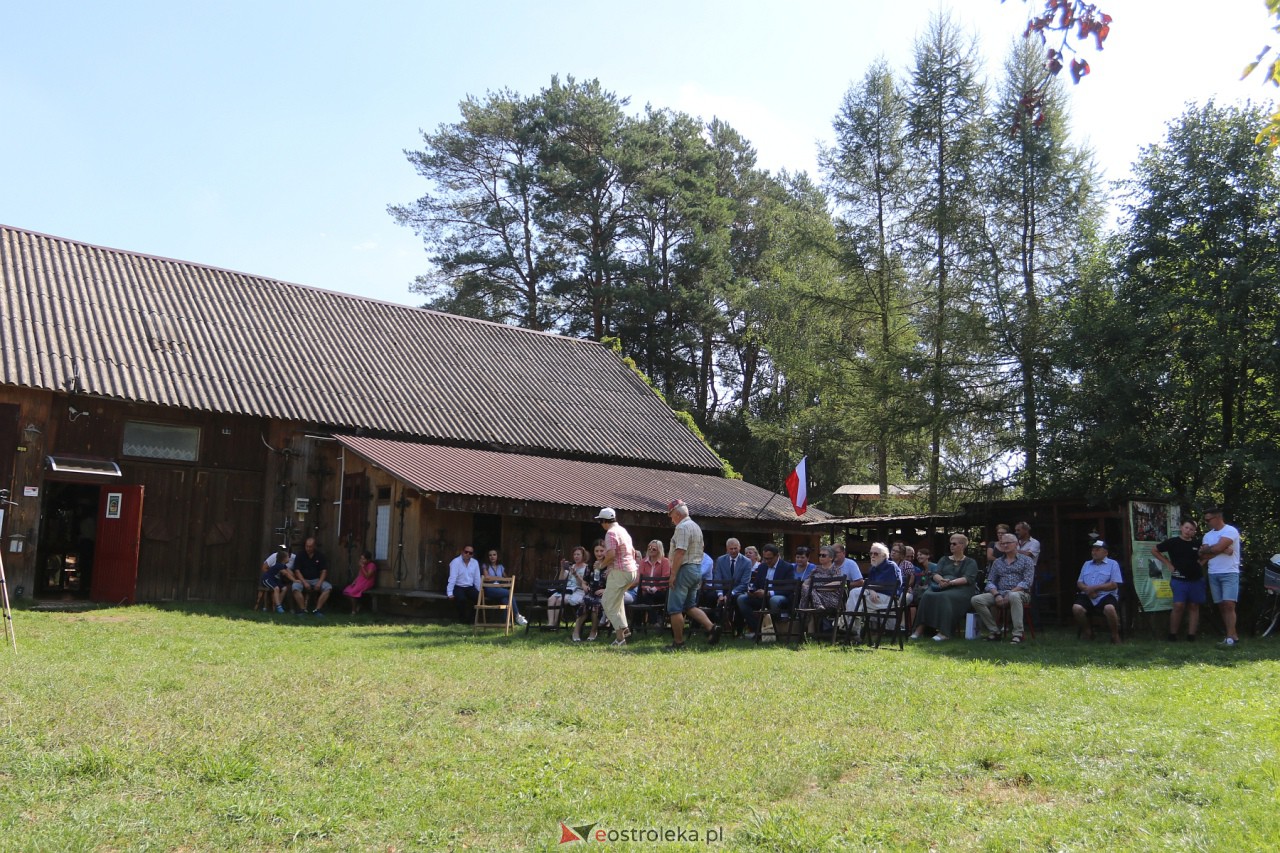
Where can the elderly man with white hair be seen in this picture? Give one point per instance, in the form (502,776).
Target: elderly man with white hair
(883,579)
(1009,580)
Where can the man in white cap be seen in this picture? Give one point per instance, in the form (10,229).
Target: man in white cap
(622,573)
(686,576)
(1098,586)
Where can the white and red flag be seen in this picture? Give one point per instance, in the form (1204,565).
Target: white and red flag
(798,488)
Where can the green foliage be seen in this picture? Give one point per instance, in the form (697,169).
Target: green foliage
(1269,134)
(684,417)
(1172,345)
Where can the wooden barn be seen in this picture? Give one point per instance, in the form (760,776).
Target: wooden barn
(164,423)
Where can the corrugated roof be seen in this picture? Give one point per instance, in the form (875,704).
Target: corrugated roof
(460,471)
(154,330)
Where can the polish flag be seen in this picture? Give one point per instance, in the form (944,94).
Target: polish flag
(798,488)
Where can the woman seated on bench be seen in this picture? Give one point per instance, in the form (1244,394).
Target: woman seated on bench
(366,578)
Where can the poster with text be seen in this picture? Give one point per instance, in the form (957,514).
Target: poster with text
(1150,524)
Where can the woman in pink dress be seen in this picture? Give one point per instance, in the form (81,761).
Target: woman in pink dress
(366,577)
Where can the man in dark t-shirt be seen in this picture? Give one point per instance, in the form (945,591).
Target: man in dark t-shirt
(311,572)
(1181,555)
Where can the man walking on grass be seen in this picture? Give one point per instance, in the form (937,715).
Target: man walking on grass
(686,576)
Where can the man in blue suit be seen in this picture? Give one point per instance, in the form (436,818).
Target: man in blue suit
(732,568)
(761,590)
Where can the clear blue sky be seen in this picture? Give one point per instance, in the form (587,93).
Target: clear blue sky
(267,137)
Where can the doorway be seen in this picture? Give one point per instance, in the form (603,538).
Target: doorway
(68,537)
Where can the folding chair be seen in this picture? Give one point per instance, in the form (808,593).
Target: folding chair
(645,609)
(876,622)
(720,614)
(827,599)
(486,606)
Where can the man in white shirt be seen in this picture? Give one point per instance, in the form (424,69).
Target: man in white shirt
(463,588)
(1221,547)
(1027,545)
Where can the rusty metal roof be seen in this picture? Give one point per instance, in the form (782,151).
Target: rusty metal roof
(483,473)
(142,328)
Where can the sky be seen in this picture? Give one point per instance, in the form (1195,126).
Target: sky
(268,137)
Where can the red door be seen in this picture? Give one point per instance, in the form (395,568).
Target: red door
(115,555)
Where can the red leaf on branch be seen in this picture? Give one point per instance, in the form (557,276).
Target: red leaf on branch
(1100,35)
(1079,68)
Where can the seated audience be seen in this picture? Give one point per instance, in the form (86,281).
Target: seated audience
(573,573)
(655,566)
(495,569)
(946,597)
(310,570)
(366,577)
(992,550)
(733,569)
(813,596)
(883,583)
(847,566)
(1009,581)
(760,589)
(592,597)
(277,576)
(803,567)
(1098,586)
(463,588)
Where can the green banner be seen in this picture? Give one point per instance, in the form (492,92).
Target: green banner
(1150,524)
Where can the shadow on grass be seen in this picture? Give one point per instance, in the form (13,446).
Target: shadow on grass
(1054,647)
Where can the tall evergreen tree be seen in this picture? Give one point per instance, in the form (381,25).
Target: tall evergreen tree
(871,185)
(945,128)
(491,254)
(1041,209)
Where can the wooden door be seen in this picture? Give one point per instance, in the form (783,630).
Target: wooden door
(119,534)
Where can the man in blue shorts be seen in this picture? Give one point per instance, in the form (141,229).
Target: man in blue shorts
(686,577)
(1221,547)
(1181,556)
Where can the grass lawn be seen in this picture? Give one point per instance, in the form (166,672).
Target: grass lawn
(215,729)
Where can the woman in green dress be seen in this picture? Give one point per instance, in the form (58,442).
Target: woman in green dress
(947,598)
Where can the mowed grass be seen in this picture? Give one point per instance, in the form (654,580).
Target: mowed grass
(211,729)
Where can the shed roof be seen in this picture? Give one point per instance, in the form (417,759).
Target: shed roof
(136,327)
(464,471)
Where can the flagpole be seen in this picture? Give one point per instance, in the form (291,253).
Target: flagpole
(766,506)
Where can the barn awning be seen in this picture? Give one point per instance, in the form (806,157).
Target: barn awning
(440,470)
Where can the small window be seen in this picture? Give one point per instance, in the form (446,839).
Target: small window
(158,441)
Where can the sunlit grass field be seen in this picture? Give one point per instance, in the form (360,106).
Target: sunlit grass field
(217,729)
